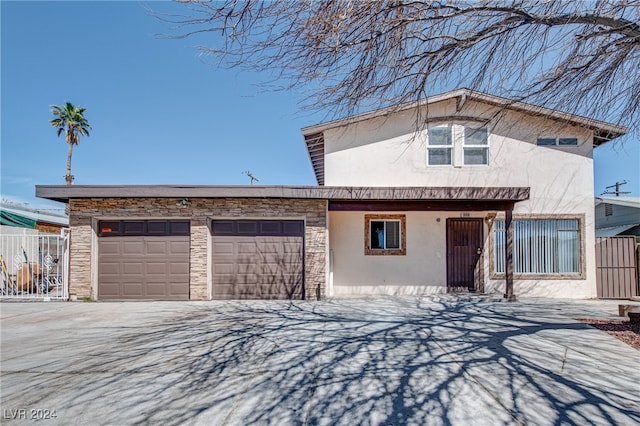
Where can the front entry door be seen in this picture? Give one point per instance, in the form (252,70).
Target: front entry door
(464,254)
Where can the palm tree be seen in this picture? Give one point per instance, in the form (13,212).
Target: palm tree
(70,120)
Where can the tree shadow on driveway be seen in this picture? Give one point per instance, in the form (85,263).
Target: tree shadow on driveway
(380,361)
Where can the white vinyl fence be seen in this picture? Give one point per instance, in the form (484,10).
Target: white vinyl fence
(34,266)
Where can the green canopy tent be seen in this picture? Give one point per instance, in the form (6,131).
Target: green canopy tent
(12,219)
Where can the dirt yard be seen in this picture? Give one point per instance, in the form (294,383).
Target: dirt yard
(626,331)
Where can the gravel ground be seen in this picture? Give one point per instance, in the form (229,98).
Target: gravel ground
(626,331)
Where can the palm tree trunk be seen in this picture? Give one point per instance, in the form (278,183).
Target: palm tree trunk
(69,177)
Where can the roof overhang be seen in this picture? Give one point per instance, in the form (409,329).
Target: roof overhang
(314,135)
(467,195)
(612,231)
(633,202)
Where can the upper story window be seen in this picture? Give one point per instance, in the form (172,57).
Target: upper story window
(440,146)
(476,146)
(457,145)
(558,141)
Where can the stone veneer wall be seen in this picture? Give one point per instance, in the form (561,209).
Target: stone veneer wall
(199,211)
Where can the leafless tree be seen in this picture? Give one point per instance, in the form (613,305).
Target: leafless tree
(580,56)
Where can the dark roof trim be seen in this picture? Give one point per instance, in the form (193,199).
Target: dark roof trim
(428,205)
(64,193)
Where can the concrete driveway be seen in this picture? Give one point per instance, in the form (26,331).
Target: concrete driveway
(375,361)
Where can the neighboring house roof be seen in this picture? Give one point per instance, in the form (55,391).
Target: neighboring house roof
(314,137)
(612,231)
(28,218)
(633,202)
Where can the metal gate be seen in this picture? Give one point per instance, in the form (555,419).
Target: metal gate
(34,266)
(616,267)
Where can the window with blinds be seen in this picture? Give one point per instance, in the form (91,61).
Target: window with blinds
(540,246)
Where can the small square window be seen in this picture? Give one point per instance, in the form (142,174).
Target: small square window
(546,141)
(385,234)
(558,141)
(568,141)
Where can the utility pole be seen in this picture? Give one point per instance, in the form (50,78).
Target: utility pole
(617,191)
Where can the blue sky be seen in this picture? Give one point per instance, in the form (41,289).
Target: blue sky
(160,114)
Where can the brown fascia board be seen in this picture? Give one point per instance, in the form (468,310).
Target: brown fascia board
(64,193)
(603,132)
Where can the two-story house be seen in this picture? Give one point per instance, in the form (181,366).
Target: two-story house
(480,193)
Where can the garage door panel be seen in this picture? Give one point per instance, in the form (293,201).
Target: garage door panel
(132,289)
(109,289)
(155,289)
(179,268)
(266,265)
(158,248)
(110,248)
(292,247)
(224,291)
(144,266)
(241,279)
(291,259)
(246,292)
(220,249)
(249,247)
(110,268)
(270,247)
(156,268)
(247,268)
(133,268)
(224,268)
(179,247)
(133,247)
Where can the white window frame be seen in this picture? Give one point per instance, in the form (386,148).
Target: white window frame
(557,141)
(485,146)
(450,147)
(459,145)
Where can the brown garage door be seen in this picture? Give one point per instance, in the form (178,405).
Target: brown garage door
(258,259)
(143,260)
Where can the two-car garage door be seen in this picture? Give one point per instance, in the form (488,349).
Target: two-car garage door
(251,259)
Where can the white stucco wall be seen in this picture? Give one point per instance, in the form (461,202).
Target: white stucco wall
(389,152)
(421,271)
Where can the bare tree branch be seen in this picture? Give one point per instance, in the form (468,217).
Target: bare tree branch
(349,55)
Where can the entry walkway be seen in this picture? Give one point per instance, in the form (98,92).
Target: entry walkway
(439,361)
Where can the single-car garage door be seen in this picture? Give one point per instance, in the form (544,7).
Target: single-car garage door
(144,259)
(258,259)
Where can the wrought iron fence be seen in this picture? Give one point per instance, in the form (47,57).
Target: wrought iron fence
(34,266)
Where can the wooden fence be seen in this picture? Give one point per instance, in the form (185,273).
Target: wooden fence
(616,267)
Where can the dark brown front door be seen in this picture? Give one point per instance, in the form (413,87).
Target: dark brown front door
(464,251)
